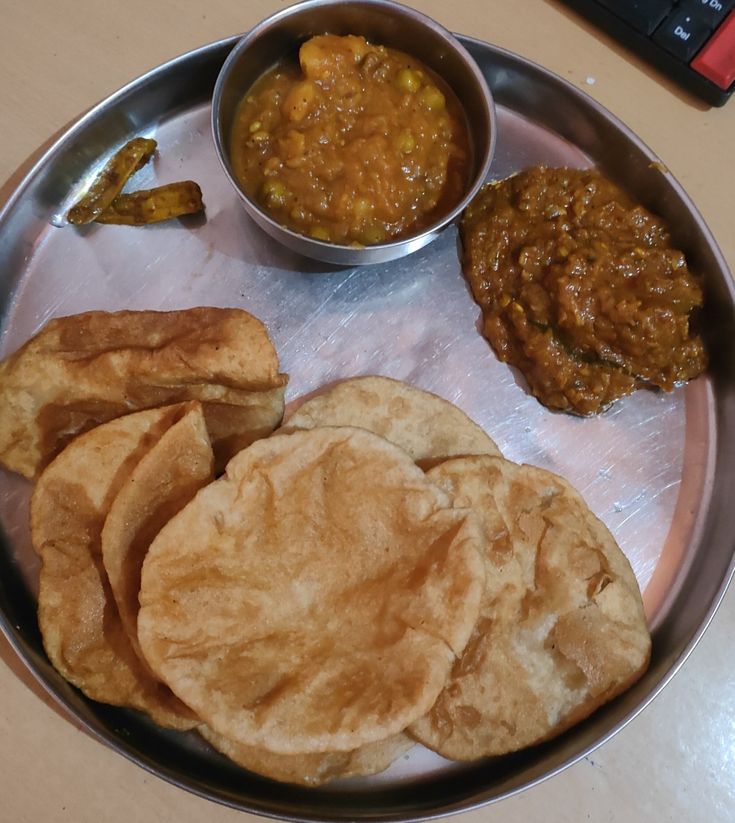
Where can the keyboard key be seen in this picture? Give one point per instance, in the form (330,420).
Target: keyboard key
(653,36)
(644,15)
(712,12)
(716,61)
(682,34)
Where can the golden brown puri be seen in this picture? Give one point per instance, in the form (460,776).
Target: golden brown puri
(81,628)
(83,370)
(314,598)
(429,428)
(233,426)
(312,769)
(159,486)
(561,627)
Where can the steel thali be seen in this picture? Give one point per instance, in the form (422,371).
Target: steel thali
(654,468)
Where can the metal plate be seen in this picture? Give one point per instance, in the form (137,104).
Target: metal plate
(654,468)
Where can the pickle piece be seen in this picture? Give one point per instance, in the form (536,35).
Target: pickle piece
(154,205)
(109,182)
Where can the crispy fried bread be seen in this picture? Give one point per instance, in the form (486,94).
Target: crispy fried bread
(312,769)
(83,370)
(157,488)
(314,598)
(561,628)
(425,425)
(81,628)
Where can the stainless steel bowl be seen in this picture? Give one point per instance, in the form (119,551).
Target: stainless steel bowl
(380,21)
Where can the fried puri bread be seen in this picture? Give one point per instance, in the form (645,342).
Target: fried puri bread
(83,370)
(81,628)
(313,598)
(157,488)
(428,427)
(312,769)
(561,628)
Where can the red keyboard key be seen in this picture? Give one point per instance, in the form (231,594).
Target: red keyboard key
(716,61)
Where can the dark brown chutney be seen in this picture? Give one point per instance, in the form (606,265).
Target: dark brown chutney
(580,288)
(353,143)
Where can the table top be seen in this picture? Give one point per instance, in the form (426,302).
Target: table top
(676,760)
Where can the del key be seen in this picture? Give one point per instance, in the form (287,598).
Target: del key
(682,34)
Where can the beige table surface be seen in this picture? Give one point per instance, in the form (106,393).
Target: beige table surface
(676,761)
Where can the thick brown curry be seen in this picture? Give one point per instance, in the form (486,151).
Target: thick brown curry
(580,288)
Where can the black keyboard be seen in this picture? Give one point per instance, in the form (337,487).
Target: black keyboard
(691,41)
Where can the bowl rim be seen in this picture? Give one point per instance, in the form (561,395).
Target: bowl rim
(394,248)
